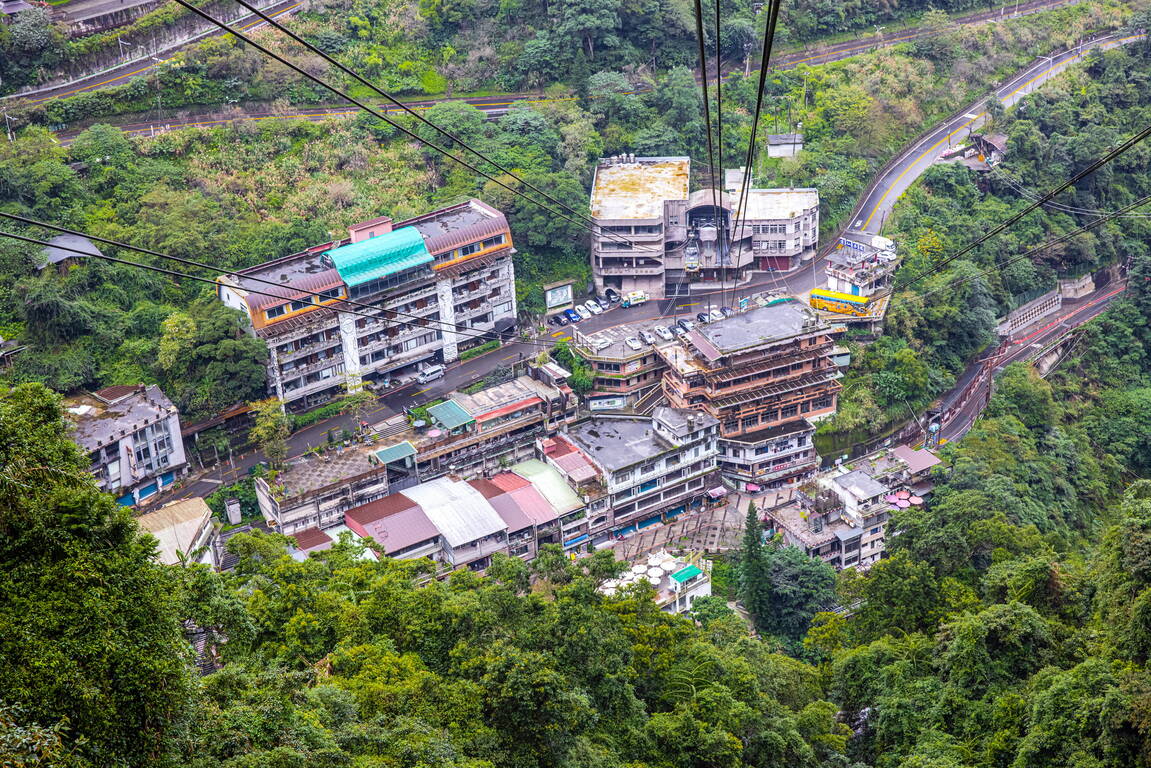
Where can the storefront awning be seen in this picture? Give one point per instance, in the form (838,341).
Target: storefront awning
(718,492)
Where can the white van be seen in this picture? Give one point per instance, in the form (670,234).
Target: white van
(431,373)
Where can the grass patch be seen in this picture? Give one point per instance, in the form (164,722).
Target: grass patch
(484,348)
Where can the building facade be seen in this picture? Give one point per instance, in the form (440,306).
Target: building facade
(132,435)
(861,264)
(650,469)
(466,436)
(425,278)
(659,237)
(764,375)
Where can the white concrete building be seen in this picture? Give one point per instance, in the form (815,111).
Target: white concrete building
(425,276)
(132,434)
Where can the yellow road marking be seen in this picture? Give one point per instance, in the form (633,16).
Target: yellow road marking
(963,125)
(685,306)
(509,357)
(420,392)
(557,334)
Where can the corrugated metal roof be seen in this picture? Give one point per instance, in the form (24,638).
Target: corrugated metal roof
(302,287)
(686,574)
(380,256)
(450,414)
(550,484)
(459,511)
(395,522)
(504,504)
(576,466)
(396,452)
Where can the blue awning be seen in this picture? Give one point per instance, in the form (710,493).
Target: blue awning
(396,452)
(673,512)
(576,540)
(649,521)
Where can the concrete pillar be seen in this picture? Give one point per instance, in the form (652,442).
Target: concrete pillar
(447,306)
(350,347)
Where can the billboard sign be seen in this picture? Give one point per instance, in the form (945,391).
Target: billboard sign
(557,295)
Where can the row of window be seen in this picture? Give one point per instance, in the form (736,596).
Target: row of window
(279,310)
(471,248)
(307,341)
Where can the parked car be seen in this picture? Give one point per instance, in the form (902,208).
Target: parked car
(715,315)
(560,320)
(633,343)
(702,317)
(647,336)
(583,312)
(663,333)
(679,331)
(727,311)
(593,306)
(612,295)
(572,315)
(685,324)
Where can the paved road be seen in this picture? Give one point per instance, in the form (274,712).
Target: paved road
(1024,345)
(873,212)
(809,56)
(128,70)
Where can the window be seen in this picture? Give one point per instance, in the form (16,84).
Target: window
(301,304)
(820,403)
(328,295)
(874,531)
(788,412)
(274,312)
(751,421)
(491,242)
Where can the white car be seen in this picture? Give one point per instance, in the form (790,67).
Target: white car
(593,306)
(583,312)
(633,343)
(663,333)
(716,315)
(679,331)
(647,336)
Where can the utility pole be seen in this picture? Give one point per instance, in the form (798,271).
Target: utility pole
(122,44)
(8,126)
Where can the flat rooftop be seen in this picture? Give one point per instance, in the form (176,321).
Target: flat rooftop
(755,327)
(638,190)
(609,343)
(617,442)
(778,203)
(100,417)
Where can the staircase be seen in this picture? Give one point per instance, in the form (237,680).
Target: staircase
(391,426)
(649,401)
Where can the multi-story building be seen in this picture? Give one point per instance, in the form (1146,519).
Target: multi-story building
(427,277)
(651,468)
(628,200)
(132,434)
(659,237)
(841,516)
(468,436)
(764,375)
(861,264)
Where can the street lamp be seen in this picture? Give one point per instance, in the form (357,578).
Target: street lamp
(122,45)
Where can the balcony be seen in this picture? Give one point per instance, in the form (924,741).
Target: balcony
(319,365)
(306,349)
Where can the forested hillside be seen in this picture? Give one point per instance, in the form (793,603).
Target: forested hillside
(247,192)
(937,324)
(1009,628)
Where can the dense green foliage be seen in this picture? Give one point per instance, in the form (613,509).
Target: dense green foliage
(91,647)
(937,326)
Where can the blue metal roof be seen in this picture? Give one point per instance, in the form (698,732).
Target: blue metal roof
(450,414)
(380,256)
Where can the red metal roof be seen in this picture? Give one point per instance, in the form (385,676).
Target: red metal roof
(508,408)
(395,522)
(312,539)
(509,481)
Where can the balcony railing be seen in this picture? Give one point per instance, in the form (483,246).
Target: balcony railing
(620,270)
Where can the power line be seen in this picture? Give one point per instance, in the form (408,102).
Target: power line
(706,109)
(1108,157)
(363,81)
(1018,187)
(382,116)
(1029,253)
(381,313)
(745,182)
(720,240)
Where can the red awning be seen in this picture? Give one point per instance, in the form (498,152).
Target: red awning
(508,409)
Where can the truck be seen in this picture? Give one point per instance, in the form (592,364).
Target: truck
(633,299)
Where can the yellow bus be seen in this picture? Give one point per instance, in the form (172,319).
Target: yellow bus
(842,303)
